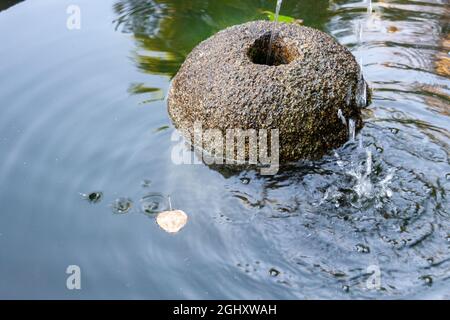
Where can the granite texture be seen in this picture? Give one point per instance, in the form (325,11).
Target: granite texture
(227,82)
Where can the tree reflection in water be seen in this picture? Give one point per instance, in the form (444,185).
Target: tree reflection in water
(166,31)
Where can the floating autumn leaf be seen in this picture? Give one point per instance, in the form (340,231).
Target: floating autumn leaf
(392,29)
(172,221)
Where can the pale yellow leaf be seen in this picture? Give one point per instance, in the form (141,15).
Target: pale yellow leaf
(172,221)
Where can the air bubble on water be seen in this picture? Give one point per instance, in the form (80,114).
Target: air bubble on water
(93,197)
(122,205)
(245,180)
(362,248)
(153,203)
(274,272)
(427,279)
(394,130)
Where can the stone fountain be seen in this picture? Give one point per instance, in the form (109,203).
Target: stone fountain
(228,82)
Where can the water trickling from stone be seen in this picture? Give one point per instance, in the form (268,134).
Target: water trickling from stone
(360,94)
(359,31)
(341,117)
(352,129)
(272,34)
(361,90)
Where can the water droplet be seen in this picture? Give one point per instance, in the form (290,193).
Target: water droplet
(122,205)
(93,197)
(362,248)
(430,260)
(447,176)
(154,203)
(346,288)
(245,180)
(274,272)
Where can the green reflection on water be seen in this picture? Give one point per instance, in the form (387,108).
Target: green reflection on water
(166,31)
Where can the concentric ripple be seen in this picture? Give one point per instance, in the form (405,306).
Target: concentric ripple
(85,160)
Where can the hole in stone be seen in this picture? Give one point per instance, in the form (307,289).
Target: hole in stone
(279,55)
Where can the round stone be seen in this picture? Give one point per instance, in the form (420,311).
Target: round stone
(308,88)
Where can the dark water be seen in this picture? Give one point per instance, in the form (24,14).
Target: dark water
(83,111)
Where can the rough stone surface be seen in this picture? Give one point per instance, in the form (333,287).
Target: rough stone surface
(225,84)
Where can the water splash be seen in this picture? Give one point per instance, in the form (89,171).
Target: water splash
(122,205)
(360,146)
(366,189)
(339,161)
(363,186)
(385,190)
(272,34)
(341,117)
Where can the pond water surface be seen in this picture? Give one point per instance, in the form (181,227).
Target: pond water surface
(84,111)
